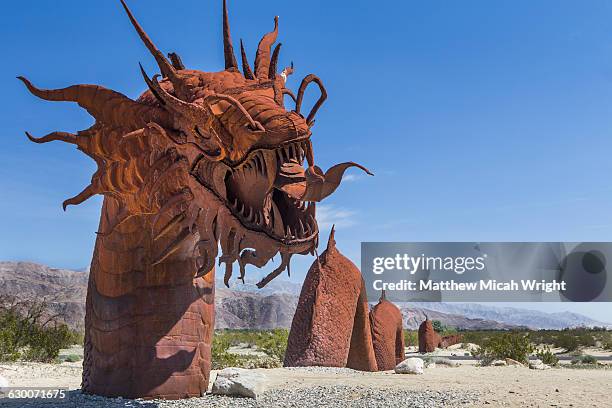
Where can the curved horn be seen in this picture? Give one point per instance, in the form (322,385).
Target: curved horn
(274,62)
(319,185)
(84,195)
(262,58)
(298,104)
(253,124)
(185,108)
(103,104)
(228,49)
(246,68)
(61,136)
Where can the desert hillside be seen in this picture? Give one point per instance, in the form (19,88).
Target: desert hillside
(243,306)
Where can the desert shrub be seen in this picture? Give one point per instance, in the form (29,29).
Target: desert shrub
(547,356)
(478,337)
(28,331)
(584,360)
(72,358)
(274,343)
(220,357)
(411,338)
(512,345)
(567,342)
(438,326)
(607,345)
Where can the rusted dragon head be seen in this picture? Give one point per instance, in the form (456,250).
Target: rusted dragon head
(218,150)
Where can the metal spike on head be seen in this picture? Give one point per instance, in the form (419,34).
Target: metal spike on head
(246,68)
(262,58)
(274,62)
(165,66)
(228,49)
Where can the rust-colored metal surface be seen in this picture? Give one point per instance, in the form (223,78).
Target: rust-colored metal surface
(387,334)
(331,327)
(200,158)
(428,338)
(361,353)
(449,340)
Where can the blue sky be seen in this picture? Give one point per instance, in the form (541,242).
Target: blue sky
(483,121)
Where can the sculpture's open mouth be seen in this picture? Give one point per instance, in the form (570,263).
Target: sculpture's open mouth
(256,196)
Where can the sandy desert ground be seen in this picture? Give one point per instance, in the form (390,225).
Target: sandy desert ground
(466,385)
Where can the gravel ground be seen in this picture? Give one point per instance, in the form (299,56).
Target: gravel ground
(328,370)
(321,396)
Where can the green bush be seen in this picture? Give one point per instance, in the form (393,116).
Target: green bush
(275,343)
(567,342)
(72,358)
(438,326)
(411,338)
(272,342)
(512,345)
(28,331)
(547,356)
(584,360)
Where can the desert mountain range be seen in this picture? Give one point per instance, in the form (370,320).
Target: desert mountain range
(243,306)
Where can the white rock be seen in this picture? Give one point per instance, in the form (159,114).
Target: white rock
(239,382)
(512,362)
(3,384)
(412,365)
(538,365)
(498,363)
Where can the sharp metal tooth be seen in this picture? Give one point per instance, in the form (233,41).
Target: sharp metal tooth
(251,216)
(279,228)
(300,152)
(307,230)
(267,210)
(288,232)
(311,211)
(311,221)
(301,231)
